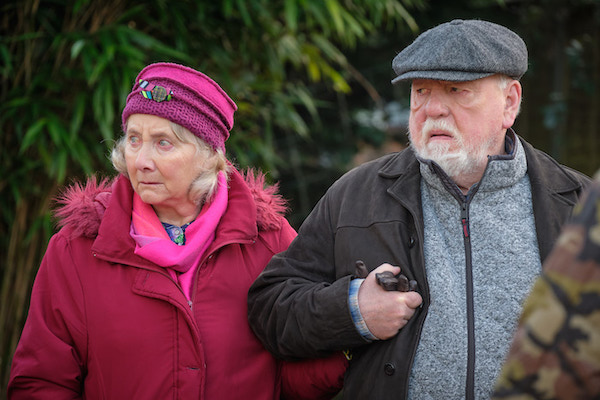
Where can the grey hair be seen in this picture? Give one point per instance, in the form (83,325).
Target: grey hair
(204,187)
(504,80)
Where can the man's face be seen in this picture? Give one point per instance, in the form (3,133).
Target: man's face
(458,124)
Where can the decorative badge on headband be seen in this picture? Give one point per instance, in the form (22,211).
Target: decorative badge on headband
(158,93)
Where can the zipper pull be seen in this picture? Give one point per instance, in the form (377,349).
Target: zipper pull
(464,217)
(190,304)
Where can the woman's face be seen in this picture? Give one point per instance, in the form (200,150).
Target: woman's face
(161,167)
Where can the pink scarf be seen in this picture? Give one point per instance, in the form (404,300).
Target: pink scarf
(153,242)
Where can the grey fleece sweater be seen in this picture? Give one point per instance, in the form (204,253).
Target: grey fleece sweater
(505,261)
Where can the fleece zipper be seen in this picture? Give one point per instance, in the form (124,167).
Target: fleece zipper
(470,381)
(464,201)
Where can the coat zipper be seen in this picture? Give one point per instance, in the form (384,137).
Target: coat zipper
(470,382)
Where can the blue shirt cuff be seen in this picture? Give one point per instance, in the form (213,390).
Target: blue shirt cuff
(357,318)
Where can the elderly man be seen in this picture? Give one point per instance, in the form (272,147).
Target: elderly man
(469,212)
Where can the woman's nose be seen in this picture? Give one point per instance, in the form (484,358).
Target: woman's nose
(144,159)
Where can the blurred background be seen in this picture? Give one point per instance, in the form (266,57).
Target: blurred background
(311,79)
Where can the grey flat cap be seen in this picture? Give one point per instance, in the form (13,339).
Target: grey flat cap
(462,50)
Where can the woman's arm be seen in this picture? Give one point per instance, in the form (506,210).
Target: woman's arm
(49,362)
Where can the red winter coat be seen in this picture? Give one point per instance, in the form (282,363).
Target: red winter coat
(105,323)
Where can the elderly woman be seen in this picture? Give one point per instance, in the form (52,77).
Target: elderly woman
(142,293)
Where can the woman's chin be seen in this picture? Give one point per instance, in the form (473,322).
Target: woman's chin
(151,197)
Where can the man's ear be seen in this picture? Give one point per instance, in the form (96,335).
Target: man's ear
(513,93)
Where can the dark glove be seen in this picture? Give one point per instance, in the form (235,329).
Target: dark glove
(387,280)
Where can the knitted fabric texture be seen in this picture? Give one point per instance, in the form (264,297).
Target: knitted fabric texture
(505,259)
(197,102)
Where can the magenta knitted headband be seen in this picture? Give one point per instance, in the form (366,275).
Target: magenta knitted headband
(184,96)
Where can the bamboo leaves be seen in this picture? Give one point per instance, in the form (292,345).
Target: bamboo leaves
(67,67)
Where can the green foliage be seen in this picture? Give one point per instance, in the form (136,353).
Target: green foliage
(67,67)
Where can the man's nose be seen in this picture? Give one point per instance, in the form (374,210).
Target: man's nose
(436,105)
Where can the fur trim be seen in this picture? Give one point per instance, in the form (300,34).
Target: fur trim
(81,207)
(270,206)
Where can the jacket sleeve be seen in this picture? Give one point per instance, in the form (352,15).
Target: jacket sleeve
(552,353)
(298,306)
(48,362)
(313,379)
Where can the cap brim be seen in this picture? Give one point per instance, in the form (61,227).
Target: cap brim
(452,76)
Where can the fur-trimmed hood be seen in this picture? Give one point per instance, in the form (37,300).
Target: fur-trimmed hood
(80,207)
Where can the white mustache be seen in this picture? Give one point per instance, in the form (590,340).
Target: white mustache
(443,125)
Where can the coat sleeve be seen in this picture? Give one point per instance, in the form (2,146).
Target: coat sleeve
(313,379)
(50,357)
(298,307)
(554,352)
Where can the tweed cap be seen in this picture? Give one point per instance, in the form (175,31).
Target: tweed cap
(184,96)
(462,50)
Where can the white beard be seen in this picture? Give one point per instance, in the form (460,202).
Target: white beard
(465,160)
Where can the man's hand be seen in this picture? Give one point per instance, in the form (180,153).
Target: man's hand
(385,312)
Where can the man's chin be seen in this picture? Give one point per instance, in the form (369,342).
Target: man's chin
(441,149)
(441,155)
(455,164)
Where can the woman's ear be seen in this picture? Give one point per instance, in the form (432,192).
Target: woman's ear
(513,93)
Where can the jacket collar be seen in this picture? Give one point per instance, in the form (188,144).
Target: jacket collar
(405,179)
(542,170)
(554,191)
(501,171)
(239,223)
(114,243)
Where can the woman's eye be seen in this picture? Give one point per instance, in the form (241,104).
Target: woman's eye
(164,143)
(133,139)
